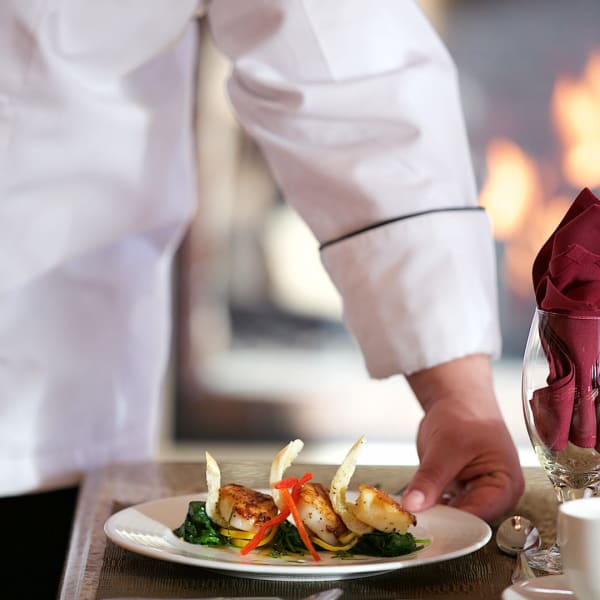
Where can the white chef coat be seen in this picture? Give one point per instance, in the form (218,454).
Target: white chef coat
(358,114)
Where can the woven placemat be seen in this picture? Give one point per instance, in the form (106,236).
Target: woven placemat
(98,569)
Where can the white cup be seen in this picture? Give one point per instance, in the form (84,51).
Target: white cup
(579,540)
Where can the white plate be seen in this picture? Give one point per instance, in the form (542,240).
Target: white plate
(147,529)
(548,587)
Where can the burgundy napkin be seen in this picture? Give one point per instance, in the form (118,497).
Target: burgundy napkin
(566,280)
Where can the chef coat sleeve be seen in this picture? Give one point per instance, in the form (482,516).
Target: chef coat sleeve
(357,110)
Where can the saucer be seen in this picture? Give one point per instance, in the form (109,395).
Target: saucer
(548,587)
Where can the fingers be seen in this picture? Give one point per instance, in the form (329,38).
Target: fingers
(490,496)
(479,474)
(434,477)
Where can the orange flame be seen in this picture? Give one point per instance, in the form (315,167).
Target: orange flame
(576,114)
(511,185)
(514,189)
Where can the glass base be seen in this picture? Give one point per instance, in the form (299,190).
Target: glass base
(547,560)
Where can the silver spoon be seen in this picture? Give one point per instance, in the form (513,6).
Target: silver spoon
(517,536)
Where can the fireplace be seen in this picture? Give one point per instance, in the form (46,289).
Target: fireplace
(255,357)
(531,88)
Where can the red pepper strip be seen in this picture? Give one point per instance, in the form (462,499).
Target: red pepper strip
(305,478)
(260,534)
(299,524)
(294,482)
(290,482)
(298,486)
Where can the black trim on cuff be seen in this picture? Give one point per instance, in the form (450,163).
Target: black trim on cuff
(394,220)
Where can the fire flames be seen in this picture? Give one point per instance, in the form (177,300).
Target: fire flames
(518,186)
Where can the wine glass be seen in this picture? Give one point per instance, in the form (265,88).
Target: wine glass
(560,404)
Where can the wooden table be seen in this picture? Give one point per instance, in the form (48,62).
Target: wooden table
(96,568)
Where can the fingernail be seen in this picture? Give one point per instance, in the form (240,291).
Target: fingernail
(414,500)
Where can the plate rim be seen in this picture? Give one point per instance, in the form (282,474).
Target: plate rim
(309,570)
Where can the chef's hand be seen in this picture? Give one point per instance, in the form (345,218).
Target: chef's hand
(467,457)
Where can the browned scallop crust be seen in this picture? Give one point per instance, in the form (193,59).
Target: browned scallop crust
(381,511)
(249,504)
(315,497)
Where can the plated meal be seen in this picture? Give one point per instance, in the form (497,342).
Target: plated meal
(300,516)
(296,529)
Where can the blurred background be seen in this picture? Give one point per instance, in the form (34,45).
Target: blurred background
(260,354)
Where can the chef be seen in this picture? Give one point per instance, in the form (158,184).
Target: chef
(358,114)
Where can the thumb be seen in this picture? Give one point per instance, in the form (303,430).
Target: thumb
(435,473)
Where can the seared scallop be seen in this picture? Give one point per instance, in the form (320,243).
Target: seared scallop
(380,511)
(318,515)
(373,509)
(244,508)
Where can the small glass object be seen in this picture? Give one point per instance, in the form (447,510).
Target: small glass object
(562,410)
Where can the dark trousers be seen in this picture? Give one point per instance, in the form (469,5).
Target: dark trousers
(35,536)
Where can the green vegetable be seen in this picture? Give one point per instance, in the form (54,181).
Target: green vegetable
(379,543)
(198,528)
(287,540)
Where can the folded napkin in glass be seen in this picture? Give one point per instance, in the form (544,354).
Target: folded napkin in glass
(566,280)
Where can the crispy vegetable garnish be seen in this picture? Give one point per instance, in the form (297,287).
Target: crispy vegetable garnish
(282,461)
(339,486)
(213,486)
(374,509)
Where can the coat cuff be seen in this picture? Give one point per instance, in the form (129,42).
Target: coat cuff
(419,292)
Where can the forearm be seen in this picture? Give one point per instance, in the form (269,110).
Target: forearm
(465,383)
